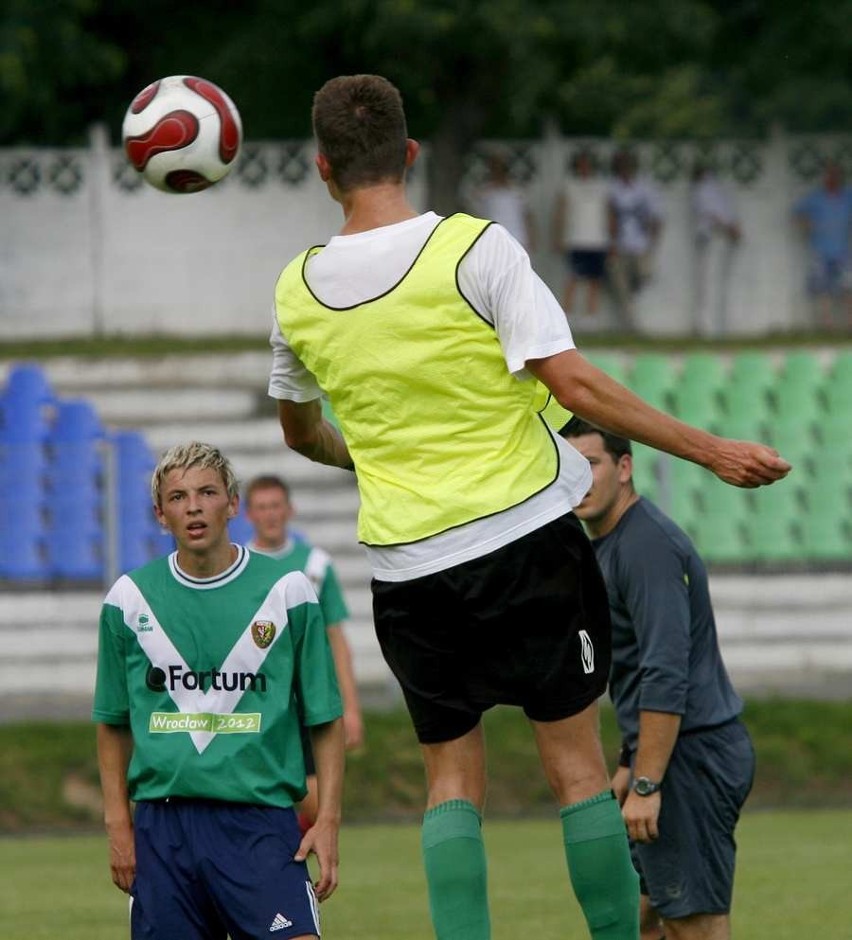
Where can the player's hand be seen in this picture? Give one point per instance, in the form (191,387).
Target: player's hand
(321,841)
(621,784)
(122,857)
(743,463)
(641,814)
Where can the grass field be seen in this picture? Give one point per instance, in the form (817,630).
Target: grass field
(793,883)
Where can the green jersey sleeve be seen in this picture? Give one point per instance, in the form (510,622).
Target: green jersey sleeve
(315,679)
(111,701)
(334,608)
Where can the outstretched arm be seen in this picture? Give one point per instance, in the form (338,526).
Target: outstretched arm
(592,394)
(115,745)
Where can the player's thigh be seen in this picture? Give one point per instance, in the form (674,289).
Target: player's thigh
(250,871)
(167,899)
(572,756)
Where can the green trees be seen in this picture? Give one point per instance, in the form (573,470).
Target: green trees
(467,68)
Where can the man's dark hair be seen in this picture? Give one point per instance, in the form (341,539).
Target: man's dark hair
(266,481)
(359,124)
(614,445)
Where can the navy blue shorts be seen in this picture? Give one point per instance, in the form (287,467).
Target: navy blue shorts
(587,264)
(689,869)
(207,869)
(527,624)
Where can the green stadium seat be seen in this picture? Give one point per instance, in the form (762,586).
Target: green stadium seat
(719,528)
(800,383)
(771,531)
(826,534)
(841,368)
(646,462)
(837,393)
(743,425)
(680,485)
(749,386)
(653,378)
(754,371)
(834,433)
(697,395)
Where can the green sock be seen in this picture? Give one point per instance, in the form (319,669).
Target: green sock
(604,879)
(454,858)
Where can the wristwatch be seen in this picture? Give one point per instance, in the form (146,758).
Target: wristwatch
(642,786)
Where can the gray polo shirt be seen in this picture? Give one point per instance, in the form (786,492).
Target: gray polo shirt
(665,651)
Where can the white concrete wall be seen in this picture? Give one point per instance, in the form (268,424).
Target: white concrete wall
(85,248)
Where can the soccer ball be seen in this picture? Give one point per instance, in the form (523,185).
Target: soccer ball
(182,133)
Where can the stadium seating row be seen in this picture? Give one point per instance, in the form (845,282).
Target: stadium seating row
(800,403)
(75,503)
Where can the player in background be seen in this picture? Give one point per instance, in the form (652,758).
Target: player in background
(269,509)
(425,334)
(200,656)
(687,761)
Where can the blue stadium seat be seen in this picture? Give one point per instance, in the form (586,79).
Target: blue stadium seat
(75,419)
(26,404)
(241,530)
(74,554)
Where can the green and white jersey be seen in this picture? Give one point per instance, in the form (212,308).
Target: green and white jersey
(317,567)
(213,677)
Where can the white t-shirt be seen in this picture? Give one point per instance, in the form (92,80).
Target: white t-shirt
(507,206)
(497,279)
(636,205)
(586,223)
(711,207)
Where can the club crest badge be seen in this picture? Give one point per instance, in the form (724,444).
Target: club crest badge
(263,633)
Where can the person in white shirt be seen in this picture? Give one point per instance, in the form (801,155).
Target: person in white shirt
(580,231)
(716,235)
(635,226)
(501,200)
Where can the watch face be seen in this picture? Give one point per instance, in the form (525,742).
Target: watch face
(645,787)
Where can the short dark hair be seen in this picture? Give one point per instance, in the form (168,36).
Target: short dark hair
(266,481)
(614,445)
(359,124)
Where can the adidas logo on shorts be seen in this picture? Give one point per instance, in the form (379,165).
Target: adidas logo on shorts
(280,923)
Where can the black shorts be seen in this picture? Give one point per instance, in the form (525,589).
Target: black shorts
(527,625)
(587,264)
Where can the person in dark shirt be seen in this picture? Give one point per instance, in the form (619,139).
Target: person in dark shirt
(687,761)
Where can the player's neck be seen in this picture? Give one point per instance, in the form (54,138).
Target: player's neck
(605,525)
(373,207)
(271,545)
(208,563)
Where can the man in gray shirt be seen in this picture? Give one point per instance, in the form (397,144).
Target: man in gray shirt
(687,761)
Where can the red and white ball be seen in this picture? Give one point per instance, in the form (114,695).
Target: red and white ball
(182,133)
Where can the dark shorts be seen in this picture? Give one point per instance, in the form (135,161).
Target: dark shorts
(690,867)
(587,265)
(527,625)
(207,869)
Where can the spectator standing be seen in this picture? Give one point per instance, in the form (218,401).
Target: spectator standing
(635,226)
(716,236)
(580,231)
(825,215)
(502,200)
